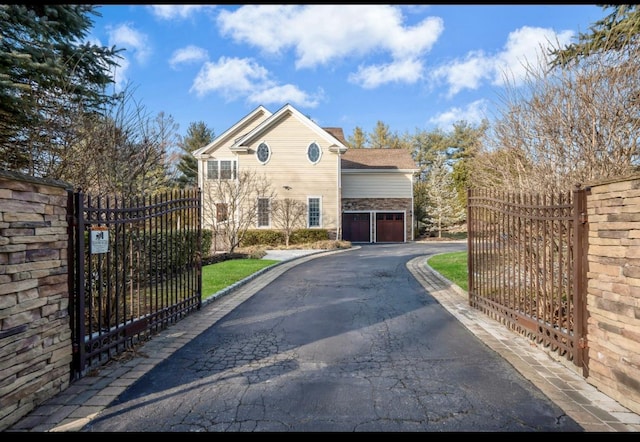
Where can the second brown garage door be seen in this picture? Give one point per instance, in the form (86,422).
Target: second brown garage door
(389,227)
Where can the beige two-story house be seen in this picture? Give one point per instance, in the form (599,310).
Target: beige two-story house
(359,195)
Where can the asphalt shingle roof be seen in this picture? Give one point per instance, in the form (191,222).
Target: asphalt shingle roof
(337,132)
(368,158)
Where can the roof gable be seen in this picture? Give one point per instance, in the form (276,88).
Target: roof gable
(276,118)
(378,159)
(237,131)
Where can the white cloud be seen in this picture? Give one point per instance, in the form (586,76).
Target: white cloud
(231,77)
(285,94)
(465,74)
(170,12)
(189,54)
(133,41)
(473,113)
(406,71)
(325,34)
(524,47)
(235,78)
(264,26)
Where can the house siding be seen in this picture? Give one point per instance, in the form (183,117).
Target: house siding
(288,166)
(376,185)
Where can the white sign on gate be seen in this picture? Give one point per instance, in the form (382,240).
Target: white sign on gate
(99,239)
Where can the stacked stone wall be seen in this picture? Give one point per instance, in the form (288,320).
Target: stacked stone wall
(613,290)
(35,333)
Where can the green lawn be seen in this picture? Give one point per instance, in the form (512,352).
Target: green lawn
(218,276)
(452,266)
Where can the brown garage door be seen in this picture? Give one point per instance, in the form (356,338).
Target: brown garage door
(355,227)
(389,227)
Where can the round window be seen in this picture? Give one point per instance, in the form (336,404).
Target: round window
(263,153)
(313,152)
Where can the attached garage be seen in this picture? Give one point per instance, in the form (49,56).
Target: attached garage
(377,195)
(388,227)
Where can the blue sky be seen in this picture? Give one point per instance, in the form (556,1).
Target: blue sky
(413,67)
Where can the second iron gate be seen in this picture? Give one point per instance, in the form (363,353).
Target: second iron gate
(527,260)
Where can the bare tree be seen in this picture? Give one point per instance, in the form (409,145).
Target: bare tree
(122,153)
(566,126)
(288,215)
(232,206)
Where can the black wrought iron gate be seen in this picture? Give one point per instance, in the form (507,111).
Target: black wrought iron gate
(136,268)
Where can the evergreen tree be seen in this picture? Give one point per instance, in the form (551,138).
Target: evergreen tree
(443,207)
(444,155)
(464,144)
(358,139)
(420,206)
(425,146)
(382,138)
(49,78)
(198,135)
(613,33)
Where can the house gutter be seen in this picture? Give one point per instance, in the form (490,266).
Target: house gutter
(334,148)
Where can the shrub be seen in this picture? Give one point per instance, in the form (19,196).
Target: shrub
(303,236)
(330,244)
(207,241)
(265,237)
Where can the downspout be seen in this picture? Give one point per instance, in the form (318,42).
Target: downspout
(201,169)
(200,172)
(339,199)
(413,221)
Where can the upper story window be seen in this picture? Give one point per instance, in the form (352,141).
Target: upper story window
(263,152)
(221,169)
(212,170)
(314,152)
(227,170)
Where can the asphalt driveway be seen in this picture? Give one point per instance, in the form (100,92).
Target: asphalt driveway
(344,342)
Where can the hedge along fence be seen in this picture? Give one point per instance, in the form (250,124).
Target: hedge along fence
(166,252)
